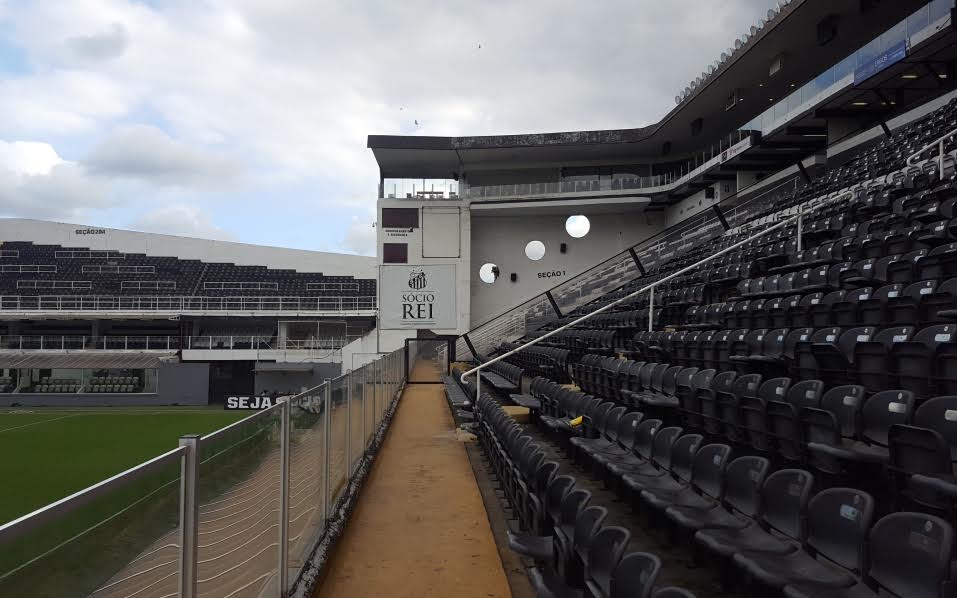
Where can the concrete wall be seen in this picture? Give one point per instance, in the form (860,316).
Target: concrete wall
(62,233)
(500,237)
(179,384)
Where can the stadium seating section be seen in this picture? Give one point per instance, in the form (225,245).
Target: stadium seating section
(791,417)
(30,269)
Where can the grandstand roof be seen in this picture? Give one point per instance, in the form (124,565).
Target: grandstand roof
(153,244)
(793,34)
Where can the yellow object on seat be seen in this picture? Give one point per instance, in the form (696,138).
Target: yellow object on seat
(576,422)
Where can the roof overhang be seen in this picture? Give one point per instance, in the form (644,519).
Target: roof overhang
(792,35)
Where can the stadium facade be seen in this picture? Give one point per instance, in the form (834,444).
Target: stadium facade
(100,316)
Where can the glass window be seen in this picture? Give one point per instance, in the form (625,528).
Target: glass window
(918,20)
(794,101)
(940,9)
(845,67)
(893,36)
(869,52)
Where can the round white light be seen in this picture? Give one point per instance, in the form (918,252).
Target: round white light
(577,226)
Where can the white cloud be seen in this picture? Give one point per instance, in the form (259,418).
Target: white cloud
(100,46)
(28,157)
(36,182)
(360,237)
(148,154)
(291,89)
(181,219)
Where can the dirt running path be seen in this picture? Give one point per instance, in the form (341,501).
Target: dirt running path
(420,527)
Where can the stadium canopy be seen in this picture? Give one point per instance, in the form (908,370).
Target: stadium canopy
(792,37)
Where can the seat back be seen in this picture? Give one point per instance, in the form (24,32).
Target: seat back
(645,436)
(784,500)
(909,554)
(707,470)
(683,453)
(635,576)
(691,402)
(940,414)
(627,427)
(742,486)
(555,495)
(662,444)
(587,524)
(669,382)
(845,402)
(572,506)
(783,416)
(604,553)
(837,524)
(883,410)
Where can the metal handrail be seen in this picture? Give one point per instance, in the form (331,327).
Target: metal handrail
(939,144)
(31,521)
(649,288)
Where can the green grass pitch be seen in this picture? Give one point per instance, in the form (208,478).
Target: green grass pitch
(49,453)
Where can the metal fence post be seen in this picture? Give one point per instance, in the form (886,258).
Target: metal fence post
(327,444)
(478,388)
(349,429)
(800,228)
(189,516)
(651,309)
(284,439)
(362,400)
(940,160)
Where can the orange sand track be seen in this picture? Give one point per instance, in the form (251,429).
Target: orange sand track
(419,528)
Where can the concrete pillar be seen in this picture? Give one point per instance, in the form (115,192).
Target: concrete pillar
(282,333)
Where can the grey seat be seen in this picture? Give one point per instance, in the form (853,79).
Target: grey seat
(784,499)
(741,502)
(837,523)
(602,558)
(635,576)
(705,487)
(909,554)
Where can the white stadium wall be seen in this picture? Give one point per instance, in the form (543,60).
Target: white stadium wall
(243,254)
(499,236)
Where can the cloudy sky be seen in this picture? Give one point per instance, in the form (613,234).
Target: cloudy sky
(247,119)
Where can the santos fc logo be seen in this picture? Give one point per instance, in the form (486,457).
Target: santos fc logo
(417,280)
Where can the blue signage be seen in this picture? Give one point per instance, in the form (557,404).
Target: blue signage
(895,53)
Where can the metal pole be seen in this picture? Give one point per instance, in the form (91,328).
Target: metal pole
(349,425)
(284,434)
(189,516)
(651,309)
(940,161)
(362,398)
(327,433)
(800,228)
(478,388)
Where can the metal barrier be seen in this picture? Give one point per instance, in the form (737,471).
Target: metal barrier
(165,343)
(238,511)
(182,304)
